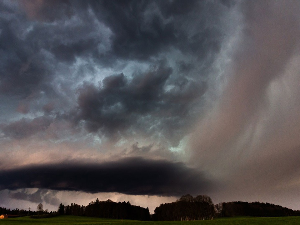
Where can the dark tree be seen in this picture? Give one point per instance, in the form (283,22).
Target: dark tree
(61,209)
(186,208)
(203,198)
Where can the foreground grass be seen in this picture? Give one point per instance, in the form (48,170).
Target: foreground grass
(78,220)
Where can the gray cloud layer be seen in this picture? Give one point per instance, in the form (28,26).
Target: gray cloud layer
(36,197)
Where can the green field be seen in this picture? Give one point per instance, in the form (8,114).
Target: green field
(77,220)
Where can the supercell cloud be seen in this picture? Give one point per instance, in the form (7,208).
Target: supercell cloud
(152,99)
(134,176)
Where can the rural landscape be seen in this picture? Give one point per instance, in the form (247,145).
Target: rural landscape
(149,112)
(186,210)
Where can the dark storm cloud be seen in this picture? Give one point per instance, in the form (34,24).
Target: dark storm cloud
(41,37)
(121,103)
(132,38)
(21,69)
(142,29)
(31,50)
(134,176)
(156,50)
(25,128)
(119,99)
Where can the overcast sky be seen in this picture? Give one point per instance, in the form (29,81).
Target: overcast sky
(145,101)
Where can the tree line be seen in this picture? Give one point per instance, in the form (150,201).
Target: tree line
(256,209)
(106,209)
(4,211)
(21,212)
(187,207)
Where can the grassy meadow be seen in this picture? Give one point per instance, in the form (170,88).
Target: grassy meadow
(77,220)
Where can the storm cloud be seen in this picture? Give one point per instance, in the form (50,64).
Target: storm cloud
(134,176)
(120,104)
(235,131)
(149,98)
(25,128)
(61,54)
